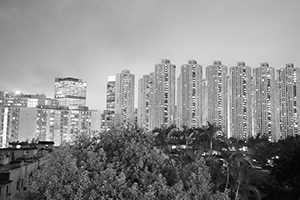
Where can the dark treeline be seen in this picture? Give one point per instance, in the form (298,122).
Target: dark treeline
(252,169)
(169,163)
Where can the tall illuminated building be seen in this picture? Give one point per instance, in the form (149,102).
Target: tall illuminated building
(111,94)
(217,97)
(70,91)
(145,101)
(240,101)
(288,80)
(164,94)
(108,116)
(264,101)
(124,97)
(190,106)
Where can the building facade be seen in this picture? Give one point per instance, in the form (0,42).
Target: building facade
(70,91)
(217,97)
(240,97)
(17,124)
(43,123)
(62,124)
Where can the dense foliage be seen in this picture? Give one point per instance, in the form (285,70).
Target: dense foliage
(119,164)
(170,163)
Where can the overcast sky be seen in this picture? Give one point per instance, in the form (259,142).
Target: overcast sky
(93,39)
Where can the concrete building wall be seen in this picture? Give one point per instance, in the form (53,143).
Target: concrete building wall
(27,124)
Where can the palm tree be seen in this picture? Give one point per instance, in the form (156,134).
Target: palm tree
(211,132)
(240,170)
(161,137)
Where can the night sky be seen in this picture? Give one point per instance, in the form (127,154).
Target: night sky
(93,39)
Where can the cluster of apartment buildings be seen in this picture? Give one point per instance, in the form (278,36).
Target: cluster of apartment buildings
(26,117)
(242,100)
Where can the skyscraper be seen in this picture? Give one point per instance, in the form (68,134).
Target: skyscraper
(109,113)
(217,104)
(288,81)
(145,97)
(240,101)
(190,104)
(111,94)
(70,91)
(164,94)
(264,101)
(124,94)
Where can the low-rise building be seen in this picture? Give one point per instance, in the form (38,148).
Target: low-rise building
(17,166)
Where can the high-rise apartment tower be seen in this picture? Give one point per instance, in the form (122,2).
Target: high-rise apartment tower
(190,104)
(264,101)
(217,98)
(288,81)
(124,97)
(145,101)
(164,94)
(240,101)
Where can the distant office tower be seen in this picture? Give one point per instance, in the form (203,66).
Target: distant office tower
(70,91)
(108,115)
(190,106)
(111,94)
(217,98)
(289,101)
(124,105)
(164,94)
(240,101)
(145,97)
(264,101)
